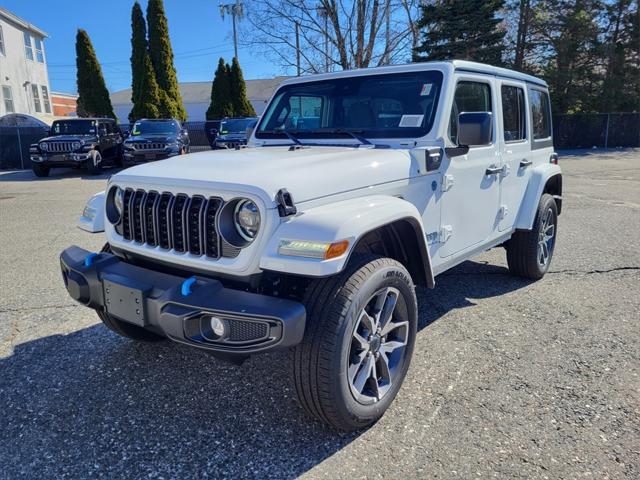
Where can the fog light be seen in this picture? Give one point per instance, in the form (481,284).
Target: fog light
(218,327)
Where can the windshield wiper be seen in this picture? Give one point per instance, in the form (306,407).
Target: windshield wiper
(291,136)
(352,133)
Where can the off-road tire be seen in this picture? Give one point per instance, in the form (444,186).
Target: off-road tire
(522,248)
(126,329)
(319,364)
(40,170)
(94,164)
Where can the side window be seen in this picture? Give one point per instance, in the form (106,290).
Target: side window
(469,97)
(540,114)
(513,113)
(110,127)
(36,98)
(28,49)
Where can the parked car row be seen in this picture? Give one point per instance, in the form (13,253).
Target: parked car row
(91,143)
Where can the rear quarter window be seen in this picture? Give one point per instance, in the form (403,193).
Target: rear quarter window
(540,114)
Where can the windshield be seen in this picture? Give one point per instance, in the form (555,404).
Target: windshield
(161,128)
(398,105)
(73,127)
(238,125)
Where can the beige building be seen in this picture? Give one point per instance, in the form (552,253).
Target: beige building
(24,80)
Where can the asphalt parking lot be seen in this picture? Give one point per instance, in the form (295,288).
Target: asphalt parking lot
(510,379)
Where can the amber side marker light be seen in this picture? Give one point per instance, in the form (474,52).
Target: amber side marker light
(313,249)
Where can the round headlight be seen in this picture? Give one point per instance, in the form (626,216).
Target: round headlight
(44,146)
(247,219)
(115,205)
(118,200)
(76,145)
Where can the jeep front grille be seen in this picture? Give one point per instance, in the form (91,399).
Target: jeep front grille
(178,222)
(59,147)
(149,146)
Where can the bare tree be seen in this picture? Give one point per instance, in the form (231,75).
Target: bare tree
(340,34)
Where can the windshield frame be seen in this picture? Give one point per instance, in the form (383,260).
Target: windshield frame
(434,76)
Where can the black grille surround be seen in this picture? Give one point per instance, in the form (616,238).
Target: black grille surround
(178,222)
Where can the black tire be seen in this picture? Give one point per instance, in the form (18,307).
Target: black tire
(118,160)
(321,363)
(524,255)
(94,164)
(40,170)
(126,329)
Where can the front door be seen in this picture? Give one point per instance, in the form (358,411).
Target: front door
(516,150)
(471,192)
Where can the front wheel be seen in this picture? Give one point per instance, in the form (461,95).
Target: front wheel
(40,170)
(94,164)
(529,252)
(361,328)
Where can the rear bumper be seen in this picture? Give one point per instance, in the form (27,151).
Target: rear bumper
(160,303)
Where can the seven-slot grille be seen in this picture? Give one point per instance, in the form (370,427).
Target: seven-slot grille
(149,146)
(59,147)
(178,222)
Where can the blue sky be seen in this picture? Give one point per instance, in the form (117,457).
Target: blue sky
(198,36)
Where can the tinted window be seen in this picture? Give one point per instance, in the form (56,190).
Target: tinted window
(236,125)
(541,114)
(469,97)
(144,127)
(513,113)
(82,127)
(398,105)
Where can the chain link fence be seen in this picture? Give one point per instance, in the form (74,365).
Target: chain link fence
(600,130)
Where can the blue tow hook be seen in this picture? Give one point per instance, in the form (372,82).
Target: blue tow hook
(88,260)
(186,286)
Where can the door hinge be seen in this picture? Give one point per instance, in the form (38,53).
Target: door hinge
(503,212)
(447,182)
(445,233)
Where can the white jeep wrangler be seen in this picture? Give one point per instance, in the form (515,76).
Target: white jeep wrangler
(355,187)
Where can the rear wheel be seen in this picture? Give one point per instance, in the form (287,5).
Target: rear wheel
(40,170)
(358,343)
(529,252)
(126,329)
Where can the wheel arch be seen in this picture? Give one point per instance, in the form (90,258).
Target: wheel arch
(546,178)
(396,224)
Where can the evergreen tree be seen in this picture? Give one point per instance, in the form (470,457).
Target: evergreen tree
(241,105)
(461,29)
(221,105)
(93,96)
(162,60)
(145,95)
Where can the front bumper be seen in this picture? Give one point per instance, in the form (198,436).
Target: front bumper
(160,303)
(61,160)
(148,156)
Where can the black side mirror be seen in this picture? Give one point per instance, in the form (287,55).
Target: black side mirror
(184,132)
(475,128)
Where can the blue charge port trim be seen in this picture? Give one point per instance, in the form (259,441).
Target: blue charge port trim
(88,260)
(186,286)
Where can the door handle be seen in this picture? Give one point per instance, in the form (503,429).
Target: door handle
(493,170)
(524,163)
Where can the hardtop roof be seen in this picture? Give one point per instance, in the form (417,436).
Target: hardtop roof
(454,65)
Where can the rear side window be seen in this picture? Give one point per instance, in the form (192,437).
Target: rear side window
(469,97)
(513,113)
(540,114)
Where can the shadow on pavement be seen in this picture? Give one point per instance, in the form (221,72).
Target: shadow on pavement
(55,174)
(91,404)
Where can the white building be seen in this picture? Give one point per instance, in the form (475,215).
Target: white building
(24,80)
(196,97)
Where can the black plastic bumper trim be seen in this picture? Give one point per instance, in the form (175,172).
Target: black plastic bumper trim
(154,300)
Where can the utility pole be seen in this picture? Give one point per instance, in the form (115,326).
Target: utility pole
(298,48)
(324,13)
(236,11)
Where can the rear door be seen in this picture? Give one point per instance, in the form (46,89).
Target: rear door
(471,195)
(515,144)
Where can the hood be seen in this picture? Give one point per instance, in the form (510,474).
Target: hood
(153,137)
(307,173)
(69,138)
